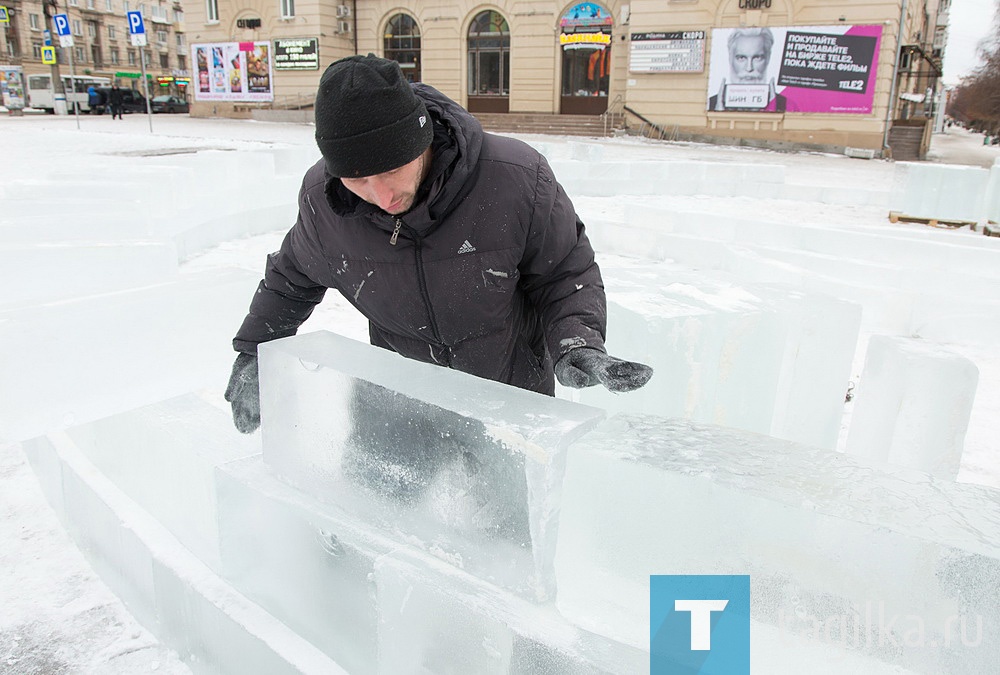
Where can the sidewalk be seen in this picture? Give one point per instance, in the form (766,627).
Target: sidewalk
(960,146)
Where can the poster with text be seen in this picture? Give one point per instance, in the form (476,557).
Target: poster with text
(816,69)
(232,71)
(12,87)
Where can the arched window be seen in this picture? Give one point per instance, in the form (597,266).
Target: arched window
(402,44)
(585,38)
(489,55)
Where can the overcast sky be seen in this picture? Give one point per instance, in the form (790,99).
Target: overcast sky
(970,22)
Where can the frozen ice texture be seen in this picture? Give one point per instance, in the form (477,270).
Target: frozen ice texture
(765,358)
(992,200)
(939,191)
(309,564)
(164,585)
(163,457)
(435,619)
(42,272)
(464,467)
(913,405)
(72,362)
(821,535)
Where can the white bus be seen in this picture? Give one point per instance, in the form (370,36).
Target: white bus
(40,93)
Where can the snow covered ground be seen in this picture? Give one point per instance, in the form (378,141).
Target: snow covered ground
(58,617)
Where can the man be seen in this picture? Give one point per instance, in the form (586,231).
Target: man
(115,101)
(749,57)
(459,246)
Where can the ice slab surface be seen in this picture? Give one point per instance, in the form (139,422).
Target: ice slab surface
(162,456)
(462,466)
(308,564)
(68,363)
(163,584)
(820,534)
(38,273)
(761,357)
(913,405)
(939,191)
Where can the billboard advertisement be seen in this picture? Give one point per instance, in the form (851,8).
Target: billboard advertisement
(296,54)
(232,71)
(817,69)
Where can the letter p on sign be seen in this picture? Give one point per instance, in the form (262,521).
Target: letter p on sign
(699,624)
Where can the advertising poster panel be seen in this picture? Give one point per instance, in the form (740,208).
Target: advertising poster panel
(12,87)
(232,71)
(817,69)
(296,54)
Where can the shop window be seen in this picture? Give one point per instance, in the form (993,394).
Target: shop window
(585,43)
(402,45)
(489,55)
(585,72)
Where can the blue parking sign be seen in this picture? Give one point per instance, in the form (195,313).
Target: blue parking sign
(135,25)
(61,22)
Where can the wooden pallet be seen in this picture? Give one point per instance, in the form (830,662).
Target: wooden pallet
(896,216)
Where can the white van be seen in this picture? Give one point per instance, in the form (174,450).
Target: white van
(41,96)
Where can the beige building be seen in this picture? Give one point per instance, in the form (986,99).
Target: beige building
(102,45)
(832,75)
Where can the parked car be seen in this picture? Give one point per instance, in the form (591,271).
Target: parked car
(169,104)
(132,101)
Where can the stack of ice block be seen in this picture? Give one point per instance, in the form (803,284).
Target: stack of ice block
(463,467)
(407,518)
(765,358)
(939,191)
(69,362)
(913,405)
(891,564)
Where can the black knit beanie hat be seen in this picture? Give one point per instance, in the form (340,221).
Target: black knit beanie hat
(368,120)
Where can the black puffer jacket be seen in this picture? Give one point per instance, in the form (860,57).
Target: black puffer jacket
(491,273)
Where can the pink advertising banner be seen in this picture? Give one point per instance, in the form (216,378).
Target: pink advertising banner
(816,69)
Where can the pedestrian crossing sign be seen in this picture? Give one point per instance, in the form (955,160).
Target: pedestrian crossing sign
(48,55)
(4,15)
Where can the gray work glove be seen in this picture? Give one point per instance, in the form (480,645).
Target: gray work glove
(586,366)
(244,394)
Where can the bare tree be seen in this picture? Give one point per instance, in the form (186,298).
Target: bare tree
(976,100)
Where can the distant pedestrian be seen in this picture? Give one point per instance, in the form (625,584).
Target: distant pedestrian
(115,100)
(93,99)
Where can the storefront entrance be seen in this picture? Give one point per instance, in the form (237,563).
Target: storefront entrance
(489,64)
(585,41)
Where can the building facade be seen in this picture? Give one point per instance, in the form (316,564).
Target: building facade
(803,72)
(102,45)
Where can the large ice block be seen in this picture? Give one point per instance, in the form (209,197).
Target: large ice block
(68,363)
(170,591)
(766,358)
(913,405)
(435,619)
(43,272)
(892,554)
(459,465)
(309,564)
(991,201)
(939,191)
(163,455)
